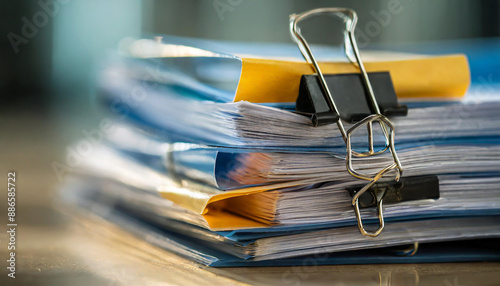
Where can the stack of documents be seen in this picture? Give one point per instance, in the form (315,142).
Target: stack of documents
(209,159)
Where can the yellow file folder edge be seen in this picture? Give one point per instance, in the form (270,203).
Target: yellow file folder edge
(427,76)
(216,207)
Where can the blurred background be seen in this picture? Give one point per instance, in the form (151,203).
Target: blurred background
(50,51)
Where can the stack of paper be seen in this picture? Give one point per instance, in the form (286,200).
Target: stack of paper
(208,159)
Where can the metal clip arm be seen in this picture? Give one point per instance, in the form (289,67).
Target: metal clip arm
(379,197)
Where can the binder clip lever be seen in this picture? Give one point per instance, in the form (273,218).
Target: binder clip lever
(320,101)
(379,197)
(406,189)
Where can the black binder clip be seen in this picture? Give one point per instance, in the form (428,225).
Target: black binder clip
(355,95)
(322,96)
(407,189)
(350,96)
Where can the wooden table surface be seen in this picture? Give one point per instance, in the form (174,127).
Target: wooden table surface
(57,247)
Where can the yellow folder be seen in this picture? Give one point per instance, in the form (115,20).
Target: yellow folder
(271,79)
(266,80)
(227,210)
(222,210)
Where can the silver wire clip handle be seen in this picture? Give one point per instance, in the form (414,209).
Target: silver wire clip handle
(350,18)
